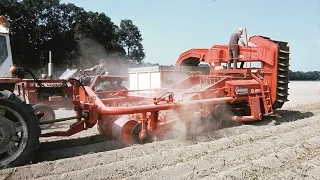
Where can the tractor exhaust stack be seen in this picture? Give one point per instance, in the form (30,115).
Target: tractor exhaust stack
(50,66)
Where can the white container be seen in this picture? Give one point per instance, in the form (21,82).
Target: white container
(147,78)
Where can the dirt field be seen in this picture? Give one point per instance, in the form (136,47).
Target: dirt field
(283,146)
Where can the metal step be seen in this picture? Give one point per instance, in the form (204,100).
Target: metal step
(284,61)
(283,88)
(282,76)
(282,101)
(281,94)
(282,51)
(283,82)
(282,69)
(281,58)
(283,64)
(284,58)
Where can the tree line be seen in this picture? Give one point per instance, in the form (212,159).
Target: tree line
(304,76)
(75,37)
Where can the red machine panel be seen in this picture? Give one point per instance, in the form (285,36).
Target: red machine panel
(243,87)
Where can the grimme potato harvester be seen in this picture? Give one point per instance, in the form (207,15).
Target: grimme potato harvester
(249,93)
(235,95)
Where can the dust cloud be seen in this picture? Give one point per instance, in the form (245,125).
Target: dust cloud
(91,52)
(188,122)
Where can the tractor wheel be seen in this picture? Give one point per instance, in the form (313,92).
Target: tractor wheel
(19,131)
(48,114)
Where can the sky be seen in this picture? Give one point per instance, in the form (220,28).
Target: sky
(170,27)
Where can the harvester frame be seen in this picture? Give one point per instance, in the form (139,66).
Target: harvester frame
(249,93)
(133,123)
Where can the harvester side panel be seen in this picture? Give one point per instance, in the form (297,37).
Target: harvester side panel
(243,87)
(278,79)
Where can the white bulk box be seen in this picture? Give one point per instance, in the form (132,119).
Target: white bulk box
(146,78)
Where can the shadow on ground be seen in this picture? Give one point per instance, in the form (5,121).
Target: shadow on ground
(68,148)
(212,132)
(282,116)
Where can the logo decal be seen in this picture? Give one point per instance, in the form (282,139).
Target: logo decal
(50,85)
(240,90)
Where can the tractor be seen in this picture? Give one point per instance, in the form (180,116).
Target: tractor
(47,95)
(34,102)
(242,94)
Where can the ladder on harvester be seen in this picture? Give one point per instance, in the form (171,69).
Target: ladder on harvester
(266,98)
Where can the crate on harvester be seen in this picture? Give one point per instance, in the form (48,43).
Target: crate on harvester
(146,79)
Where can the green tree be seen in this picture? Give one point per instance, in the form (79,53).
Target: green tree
(75,37)
(36,27)
(131,39)
(308,76)
(97,36)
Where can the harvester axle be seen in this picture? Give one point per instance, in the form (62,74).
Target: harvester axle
(60,120)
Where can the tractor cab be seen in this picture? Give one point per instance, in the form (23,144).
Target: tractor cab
(5,53)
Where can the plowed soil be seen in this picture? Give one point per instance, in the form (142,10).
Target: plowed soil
(285,145)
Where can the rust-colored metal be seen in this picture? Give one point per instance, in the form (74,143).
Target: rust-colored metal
(255,107)
(251,93)
(143,132)
(76,101)
(153,121)
(122,129)
(30,89)
(9,83)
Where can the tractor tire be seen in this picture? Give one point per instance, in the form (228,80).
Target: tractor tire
(49,114)
(19,131)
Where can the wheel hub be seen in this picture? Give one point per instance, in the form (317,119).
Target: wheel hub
(45,115)
(135,139)
(7,134)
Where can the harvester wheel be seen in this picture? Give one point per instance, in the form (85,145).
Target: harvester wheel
(135,139)
(48,114)
(19,131)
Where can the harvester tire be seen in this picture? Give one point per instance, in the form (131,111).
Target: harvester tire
(19,131)
(49,114)
(135,135)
